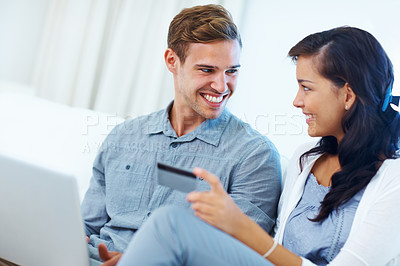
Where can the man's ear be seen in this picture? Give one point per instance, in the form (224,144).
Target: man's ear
(350,97)
(171,60)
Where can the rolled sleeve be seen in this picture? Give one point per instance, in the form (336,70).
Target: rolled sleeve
(93,206)
(257,184)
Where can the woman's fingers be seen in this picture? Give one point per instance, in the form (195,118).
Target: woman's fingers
(211,201)
(215,206)
(207,218)
(204,208)
(204,196)
(213,180)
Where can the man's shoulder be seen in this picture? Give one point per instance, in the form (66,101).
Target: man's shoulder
(138,124)
(237,126)
(242,132)
(143,120)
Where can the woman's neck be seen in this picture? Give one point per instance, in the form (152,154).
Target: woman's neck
(325,167)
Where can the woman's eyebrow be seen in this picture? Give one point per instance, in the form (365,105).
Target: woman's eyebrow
(304,80)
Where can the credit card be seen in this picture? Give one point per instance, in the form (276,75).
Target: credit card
(176,178)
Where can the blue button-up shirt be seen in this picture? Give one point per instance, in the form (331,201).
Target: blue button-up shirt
(123,191)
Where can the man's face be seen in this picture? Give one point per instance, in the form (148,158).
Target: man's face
(207,78)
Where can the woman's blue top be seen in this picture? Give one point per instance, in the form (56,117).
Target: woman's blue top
(315,241)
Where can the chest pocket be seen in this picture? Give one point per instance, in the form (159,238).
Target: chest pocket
(125,186)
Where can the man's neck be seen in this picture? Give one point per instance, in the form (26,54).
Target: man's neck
(183,122)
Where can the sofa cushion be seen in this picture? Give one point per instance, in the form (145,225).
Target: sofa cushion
(53,135)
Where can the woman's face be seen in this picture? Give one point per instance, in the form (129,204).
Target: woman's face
(321,101)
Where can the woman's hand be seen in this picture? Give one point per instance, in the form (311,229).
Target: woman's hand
(216,207)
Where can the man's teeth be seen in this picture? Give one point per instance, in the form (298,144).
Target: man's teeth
(213,99)
(308,116)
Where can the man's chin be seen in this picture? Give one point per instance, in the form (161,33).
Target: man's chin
(209,113)
(212,115)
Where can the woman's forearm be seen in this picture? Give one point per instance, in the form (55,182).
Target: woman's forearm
(252,235)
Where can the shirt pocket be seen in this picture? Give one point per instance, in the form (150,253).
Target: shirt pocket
(203,185)
(125,187)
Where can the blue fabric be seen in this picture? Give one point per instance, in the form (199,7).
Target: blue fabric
(174,236)
(94,262)
(123,191)
(318,242)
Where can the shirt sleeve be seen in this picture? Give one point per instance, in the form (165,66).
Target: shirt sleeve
(256,184)
(93,206)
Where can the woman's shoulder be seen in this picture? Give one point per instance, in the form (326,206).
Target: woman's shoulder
(293,167)
(391,167)
(302,149)
(395,162)
(388,175)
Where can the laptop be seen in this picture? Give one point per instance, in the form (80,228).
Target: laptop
(40,219)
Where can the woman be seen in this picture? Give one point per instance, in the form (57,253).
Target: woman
(340,201)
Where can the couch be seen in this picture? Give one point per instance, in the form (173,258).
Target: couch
(54,135)
(50,134)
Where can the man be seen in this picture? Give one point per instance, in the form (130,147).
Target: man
(203,55)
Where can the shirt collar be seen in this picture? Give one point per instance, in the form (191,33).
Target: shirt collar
(209,131)
(161,123)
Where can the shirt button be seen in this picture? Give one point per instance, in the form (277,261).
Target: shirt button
(127,167)
(148,214)
(174,145)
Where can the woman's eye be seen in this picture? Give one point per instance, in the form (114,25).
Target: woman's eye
(305,88)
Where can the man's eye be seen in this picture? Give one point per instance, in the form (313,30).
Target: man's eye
(231,71)
(206,70)
(305,88)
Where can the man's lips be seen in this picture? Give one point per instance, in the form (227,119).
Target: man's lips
(215,99)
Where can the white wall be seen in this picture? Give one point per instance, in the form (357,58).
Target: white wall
(21,23)
(267,83)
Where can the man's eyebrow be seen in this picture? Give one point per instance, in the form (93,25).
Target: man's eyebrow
(205,66)
(209,66)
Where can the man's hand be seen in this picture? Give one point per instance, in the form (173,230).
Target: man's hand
(109,258)
(216,207)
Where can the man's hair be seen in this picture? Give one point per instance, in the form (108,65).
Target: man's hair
(201,24)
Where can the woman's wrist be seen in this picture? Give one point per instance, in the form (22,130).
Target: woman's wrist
(240,226)
(269,252)
(252,234)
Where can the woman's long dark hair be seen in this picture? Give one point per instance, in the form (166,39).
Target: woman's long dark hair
(352,55)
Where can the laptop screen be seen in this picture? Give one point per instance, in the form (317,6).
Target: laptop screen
(40,221)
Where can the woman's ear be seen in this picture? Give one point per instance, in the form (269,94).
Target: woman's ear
(171,60)
(350,97)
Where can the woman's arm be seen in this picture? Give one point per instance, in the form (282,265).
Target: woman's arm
(217,208)
(375,235)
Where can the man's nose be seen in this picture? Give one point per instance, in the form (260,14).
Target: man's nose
(220,83)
